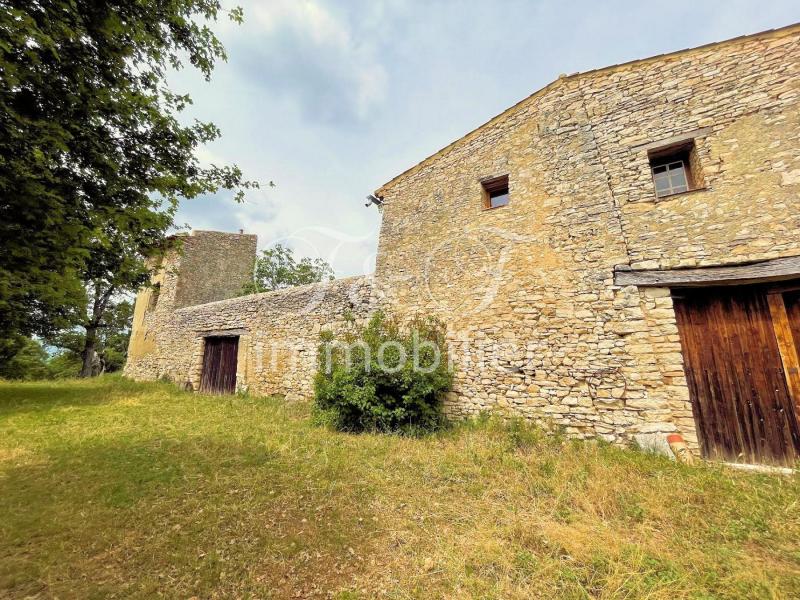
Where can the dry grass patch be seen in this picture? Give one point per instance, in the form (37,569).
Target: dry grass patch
(115,489)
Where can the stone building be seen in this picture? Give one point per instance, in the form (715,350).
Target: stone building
(195,299)
(617,254)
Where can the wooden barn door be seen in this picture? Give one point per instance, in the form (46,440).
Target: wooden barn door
(219,365)
(734,345)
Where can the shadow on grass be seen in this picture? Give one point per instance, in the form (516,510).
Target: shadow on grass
(125,516)
(40,396)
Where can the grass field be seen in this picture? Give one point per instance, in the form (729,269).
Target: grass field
(115,489)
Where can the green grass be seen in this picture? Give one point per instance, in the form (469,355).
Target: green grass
(111,488)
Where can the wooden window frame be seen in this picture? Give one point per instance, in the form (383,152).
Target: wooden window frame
(671,168)
(493,187)
(672,155)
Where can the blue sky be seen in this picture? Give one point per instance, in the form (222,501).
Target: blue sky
(331,99)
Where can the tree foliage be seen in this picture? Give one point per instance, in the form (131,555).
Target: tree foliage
(28,363)
(277,268)
(117,262)
(31,361)
(63,365)
(110,342)
(93,158)
(384,377)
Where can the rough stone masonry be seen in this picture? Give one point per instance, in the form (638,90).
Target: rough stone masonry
(538,322)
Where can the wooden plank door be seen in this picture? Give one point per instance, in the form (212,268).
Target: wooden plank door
(219,365)
(791,333)
(792,302)
(741,402)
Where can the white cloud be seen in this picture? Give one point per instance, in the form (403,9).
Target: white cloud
(306,16)
(331,98)
(207,157)
(303,49)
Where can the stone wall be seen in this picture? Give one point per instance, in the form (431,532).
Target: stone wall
(742,99)
(536,323)
(279,333)
(204,266)
(214,266)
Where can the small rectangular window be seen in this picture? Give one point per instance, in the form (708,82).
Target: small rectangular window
(675,169)
(670,178)
(495,192)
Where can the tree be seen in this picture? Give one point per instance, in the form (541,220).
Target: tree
(91,148)
(276,268)
(114,337)
(117,262)
(103,339)
(28,363)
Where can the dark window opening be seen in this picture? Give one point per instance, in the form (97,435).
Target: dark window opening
(154,294)
(495,192)
(675,169)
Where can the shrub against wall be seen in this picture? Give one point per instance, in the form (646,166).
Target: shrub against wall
(384,377)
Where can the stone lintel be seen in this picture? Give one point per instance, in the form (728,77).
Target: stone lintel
(671,141)
(221,332)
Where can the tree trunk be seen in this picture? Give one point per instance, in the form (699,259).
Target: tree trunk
(101,298)
(88,353)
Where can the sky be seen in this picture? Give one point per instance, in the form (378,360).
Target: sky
(331,99)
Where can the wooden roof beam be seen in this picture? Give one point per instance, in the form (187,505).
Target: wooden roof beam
(776,269)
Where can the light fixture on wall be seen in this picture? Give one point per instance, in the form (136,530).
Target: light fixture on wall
(373,199)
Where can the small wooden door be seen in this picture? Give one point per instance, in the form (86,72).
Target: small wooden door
(742,402)
(219,365)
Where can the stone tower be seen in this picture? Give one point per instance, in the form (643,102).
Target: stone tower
(207,266)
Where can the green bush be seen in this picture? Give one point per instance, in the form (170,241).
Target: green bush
(383,377)
(29,363)
(33,362)
(65,364)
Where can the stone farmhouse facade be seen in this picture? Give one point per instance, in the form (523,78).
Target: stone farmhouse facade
(617,254)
